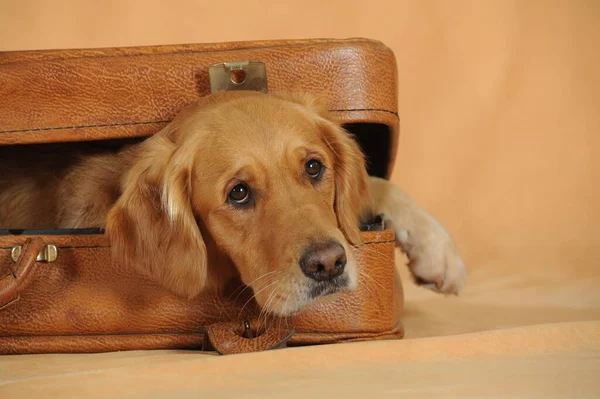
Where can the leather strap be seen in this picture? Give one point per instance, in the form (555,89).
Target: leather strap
(248,336)
(22,272)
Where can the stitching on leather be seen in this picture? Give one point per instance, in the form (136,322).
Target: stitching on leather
(83,126)
(377,243)
(350,334)
(161,121)
(108,246)
(199,334)
(365,109)
(318,42)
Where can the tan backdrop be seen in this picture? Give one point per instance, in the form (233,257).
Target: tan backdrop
(499,103)
(500,119)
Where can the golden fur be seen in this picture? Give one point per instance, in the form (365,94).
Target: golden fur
(164,202)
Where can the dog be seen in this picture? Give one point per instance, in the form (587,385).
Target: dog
(266,187)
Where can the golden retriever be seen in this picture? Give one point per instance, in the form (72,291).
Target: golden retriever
(264,186)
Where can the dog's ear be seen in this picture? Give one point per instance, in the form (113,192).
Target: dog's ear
(352,194)
(152,226)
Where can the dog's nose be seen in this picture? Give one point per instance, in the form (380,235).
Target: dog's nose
(323,261)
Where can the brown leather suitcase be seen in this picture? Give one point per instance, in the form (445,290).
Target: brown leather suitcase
(61,292)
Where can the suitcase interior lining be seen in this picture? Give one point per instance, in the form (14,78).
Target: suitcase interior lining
(374,138)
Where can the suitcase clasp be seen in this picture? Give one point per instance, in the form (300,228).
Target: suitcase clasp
(48,254)
(238,75)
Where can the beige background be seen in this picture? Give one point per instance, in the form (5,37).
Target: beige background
(499,102)
(500,140)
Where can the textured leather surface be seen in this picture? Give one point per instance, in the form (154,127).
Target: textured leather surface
(228,337)
(20,274)
(83,302)
(362,312)
(73,95)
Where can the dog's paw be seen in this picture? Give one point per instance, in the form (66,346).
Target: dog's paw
(433,258)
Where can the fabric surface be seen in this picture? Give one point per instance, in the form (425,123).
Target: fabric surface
(508,335)
(499,140)
(527,362)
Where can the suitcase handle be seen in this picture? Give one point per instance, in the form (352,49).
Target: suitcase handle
(22,272)
(251,336)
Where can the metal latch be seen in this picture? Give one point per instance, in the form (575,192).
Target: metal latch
(238,75)
(49,253)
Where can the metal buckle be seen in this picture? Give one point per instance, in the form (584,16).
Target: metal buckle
(238,75)
(49,253)
(248,333)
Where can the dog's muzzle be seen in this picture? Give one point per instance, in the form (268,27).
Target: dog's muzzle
(324,263)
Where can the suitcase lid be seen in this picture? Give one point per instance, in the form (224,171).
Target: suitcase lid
(114,93)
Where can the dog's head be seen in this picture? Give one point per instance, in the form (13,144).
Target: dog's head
(268,182)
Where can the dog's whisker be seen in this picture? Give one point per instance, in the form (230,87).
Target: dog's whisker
(371,279)
(282,317)
(245,287)
(331,147)
(255,294)
(370,251)
(274,305)
(366,286)
(265,311)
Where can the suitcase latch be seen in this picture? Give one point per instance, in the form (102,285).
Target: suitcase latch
(49,253)
(238,75)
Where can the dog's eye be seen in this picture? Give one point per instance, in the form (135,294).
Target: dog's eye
(240,194)
(313,168)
